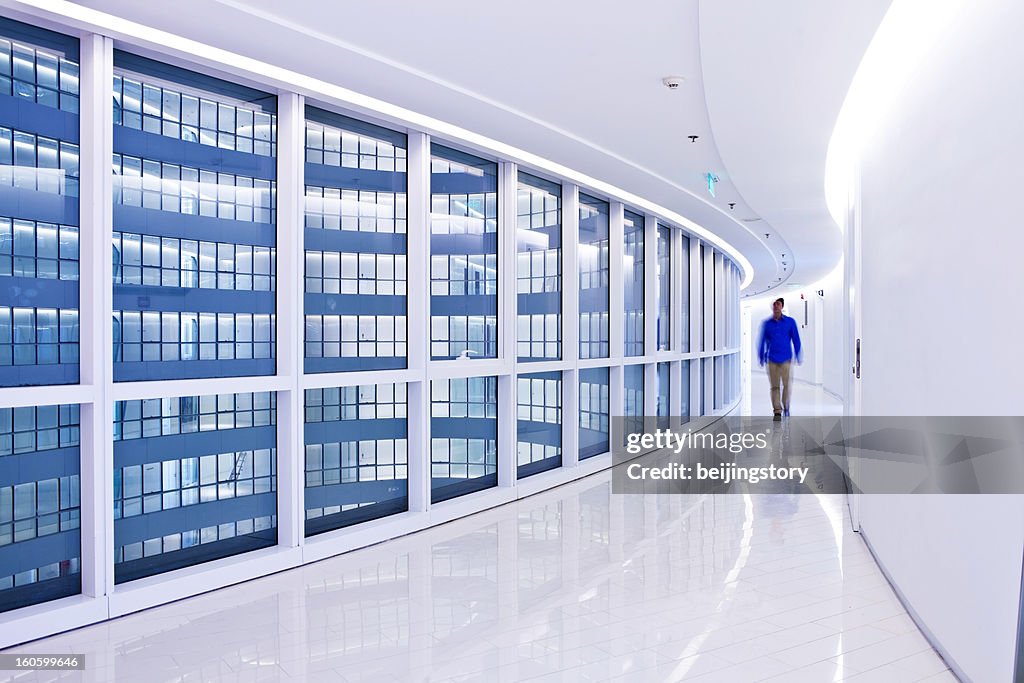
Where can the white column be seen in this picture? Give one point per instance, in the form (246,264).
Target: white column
(709,328)
(290,320)
(677,287)
(650,286)
(650,316)
(570,272)
(616,278)
(570,324)
(418,318)
(617,316)
(95,315)
(507,329)
(693,301)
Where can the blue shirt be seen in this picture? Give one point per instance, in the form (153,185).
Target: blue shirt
(776,337)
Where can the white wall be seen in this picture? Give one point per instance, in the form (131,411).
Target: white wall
(834,370)
(942,243)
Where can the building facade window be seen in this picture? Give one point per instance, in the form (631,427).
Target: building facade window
(463,436)
(538,422)
(356,458)
(463,255)
(40,516)
(355,243)
(684,391)
(594,402)
(633,271)
(538,269)
(664,279)
(194,220)
(594,273)
(664,375)
(633,399)
(195,479)
(683,309)
(39,188)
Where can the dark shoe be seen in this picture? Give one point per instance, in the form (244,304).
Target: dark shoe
(778,417)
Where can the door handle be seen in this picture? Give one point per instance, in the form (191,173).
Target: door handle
(857,366)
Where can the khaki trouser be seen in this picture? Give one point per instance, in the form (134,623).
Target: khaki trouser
(778,373)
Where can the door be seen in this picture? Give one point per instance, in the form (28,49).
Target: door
(854,344)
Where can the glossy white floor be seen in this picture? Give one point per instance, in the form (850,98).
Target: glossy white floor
(572,585)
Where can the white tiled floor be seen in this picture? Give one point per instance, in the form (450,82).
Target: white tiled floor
(572,585)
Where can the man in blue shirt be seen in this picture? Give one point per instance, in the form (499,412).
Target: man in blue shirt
(780,342)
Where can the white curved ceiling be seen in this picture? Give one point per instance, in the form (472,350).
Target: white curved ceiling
(580,83)
(775,77)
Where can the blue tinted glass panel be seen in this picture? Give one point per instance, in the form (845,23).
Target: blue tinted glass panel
(39,188)
(539,422)
(40,540)
(633,398)
(594,402)
(684,391)
(195,480)
(538,269)
(463,255)
(463,436)
(594,275)
(633,271)
(702,276)
(664,281)
(194,224)
(356,455)
(664,384)
(355,240)
(703,383)
(683,309)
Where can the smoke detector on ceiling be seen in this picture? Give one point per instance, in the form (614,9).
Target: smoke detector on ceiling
(673,82)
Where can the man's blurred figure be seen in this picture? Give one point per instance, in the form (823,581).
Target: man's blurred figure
(780,342)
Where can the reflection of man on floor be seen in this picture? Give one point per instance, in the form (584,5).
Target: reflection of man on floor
(780,342)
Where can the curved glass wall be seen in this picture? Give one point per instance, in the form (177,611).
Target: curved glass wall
(463,255)
(194,243)
(355,244)
(39,188)
(194,224)
(538,269)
